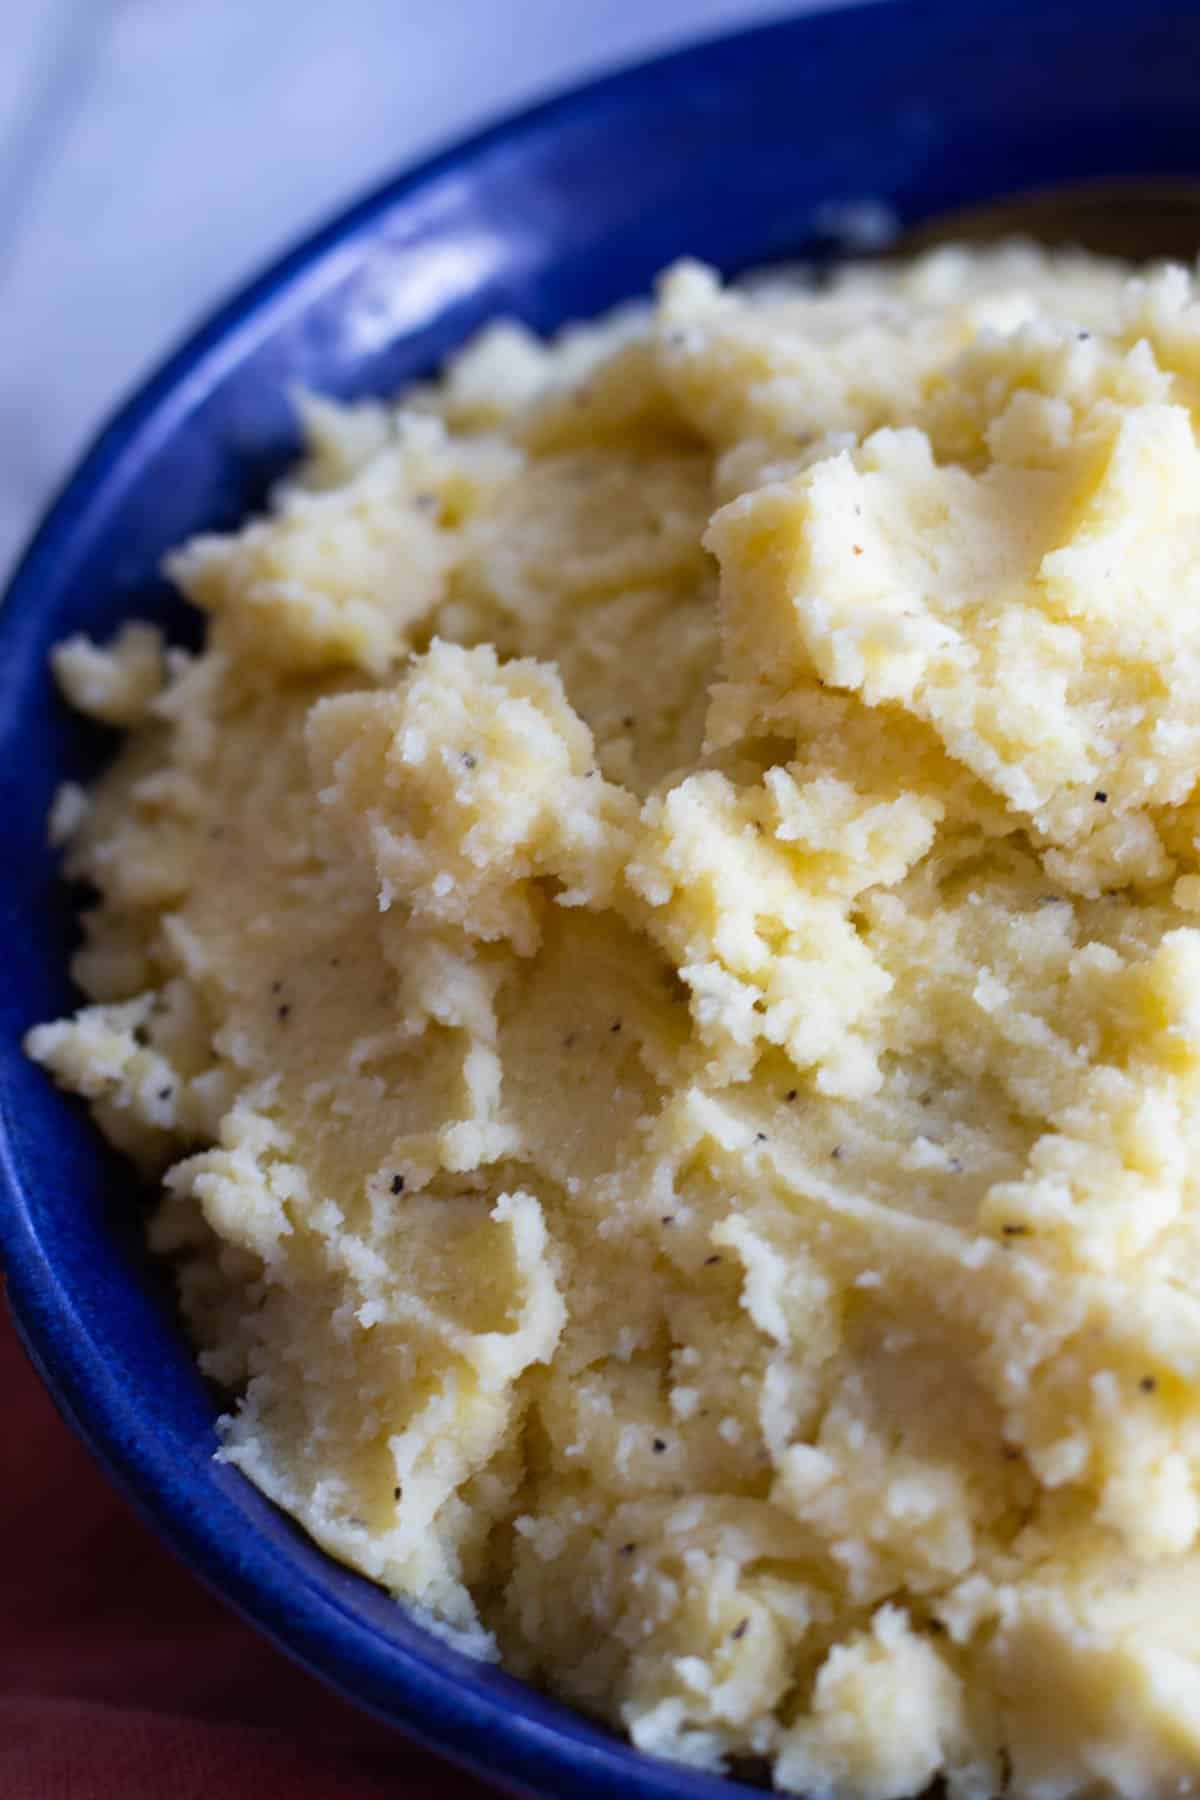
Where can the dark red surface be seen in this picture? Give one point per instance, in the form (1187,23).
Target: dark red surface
(121,1678)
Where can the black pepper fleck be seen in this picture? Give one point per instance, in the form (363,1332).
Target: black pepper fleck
(628,1549)
(740,1629)
(396,1492)
(710,1260)
(397,1184)
(469,761)
(164,1093)
(667,1219)
(838,1151)
(1015,1230)
(281,1012)
(1148,1384)
(141,1035)
(627,721)
(1100,796)
(791,1095)
(660,1445)
(760,1137)
(276,987)
(569,1040)
(615,1026)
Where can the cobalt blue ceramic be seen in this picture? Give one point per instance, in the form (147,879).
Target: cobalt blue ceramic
(735,151)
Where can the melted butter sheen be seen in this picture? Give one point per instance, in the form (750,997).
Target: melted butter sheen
(657,952)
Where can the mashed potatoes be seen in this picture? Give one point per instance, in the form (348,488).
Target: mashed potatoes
(658,949)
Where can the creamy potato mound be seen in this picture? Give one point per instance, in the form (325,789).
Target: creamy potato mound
(656,952)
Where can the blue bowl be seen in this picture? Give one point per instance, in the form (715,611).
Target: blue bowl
(733,151)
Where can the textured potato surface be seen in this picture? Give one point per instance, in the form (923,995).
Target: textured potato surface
(656,953)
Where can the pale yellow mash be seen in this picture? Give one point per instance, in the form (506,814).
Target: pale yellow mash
(658,948)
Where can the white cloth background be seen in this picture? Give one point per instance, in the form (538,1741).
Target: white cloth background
(154,152)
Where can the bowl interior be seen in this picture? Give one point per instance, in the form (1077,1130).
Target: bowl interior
(760,147)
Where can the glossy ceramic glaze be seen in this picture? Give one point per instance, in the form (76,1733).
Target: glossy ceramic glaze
(740,151)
